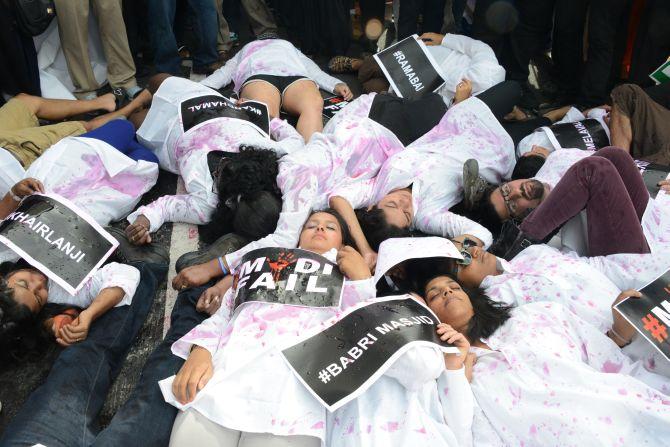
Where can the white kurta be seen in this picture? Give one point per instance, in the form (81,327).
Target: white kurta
(555,380)
(274,57)
(110,275)
(351,150)
(186,153)
(416,402)
(253,389)
(461,57)
(433,165)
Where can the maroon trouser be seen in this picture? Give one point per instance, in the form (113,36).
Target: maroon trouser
(610,187)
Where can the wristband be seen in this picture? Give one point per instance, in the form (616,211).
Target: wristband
(224,270)
(616,334)
(14,196)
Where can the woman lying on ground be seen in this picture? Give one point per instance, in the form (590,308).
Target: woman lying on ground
(197,152)
(235,387)
(275,72)
(541,360)
(64,409)
(416,187)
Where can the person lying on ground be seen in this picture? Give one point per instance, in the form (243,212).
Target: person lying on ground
(199,155)
(83,373)
(234,353)
(541,359)
(416,188)
(23,140)
(276,73)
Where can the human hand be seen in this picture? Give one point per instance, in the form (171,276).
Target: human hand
(210,300)
(463,91)
(453,337)
(76,331)
(26,187)
(352,265)
(431,39)
(193,375)
(344,91)
(193,276)
(624,331)
(665,186)
(138,232)
(470,361)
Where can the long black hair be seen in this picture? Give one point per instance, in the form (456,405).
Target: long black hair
(23,335)
(249,198)
(488,315)
(376,228)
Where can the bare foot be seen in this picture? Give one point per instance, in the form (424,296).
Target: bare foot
(106,102)
(558,114)
(463,91)
(517,115)
(356,64)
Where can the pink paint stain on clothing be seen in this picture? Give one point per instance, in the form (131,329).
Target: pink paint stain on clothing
(611,367)
(390,427)
(318,426)
(533,430)
(622,391)
(421,430)
(445,391)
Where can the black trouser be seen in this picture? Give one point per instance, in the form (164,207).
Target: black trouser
(530,37)
(432,11)
(501,98)
(591,81)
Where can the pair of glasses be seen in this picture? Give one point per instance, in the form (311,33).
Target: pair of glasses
(509,204)
(467,257)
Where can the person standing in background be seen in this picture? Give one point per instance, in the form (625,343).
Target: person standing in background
(409,10)
(73,30)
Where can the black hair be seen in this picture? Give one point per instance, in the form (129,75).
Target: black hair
(249,198)
(527,167)
(375,227)
(488,315)
(486,214)
(346,233)
(23,335)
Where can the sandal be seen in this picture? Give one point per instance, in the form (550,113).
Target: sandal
(341,64)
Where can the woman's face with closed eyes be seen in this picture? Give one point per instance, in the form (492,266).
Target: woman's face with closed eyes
(29,288)
(398,208)
(449,301)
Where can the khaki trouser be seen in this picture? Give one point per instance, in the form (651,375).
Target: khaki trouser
(22,135)
(73,29)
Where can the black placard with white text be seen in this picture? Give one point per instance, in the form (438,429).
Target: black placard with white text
(288,276)
(340,363)
(410,68)
(57,238)
(587,134)
(650,314)
(200,109)
(652,173)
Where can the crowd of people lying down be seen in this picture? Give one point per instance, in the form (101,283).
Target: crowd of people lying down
(550,238)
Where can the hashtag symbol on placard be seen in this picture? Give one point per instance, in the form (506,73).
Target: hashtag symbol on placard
(324,376)
(657,329)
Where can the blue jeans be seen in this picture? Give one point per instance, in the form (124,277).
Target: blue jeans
(145,420)
(161,33)
(63,411)
(120,134)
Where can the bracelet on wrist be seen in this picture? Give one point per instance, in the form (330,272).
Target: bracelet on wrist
(14,196)
(620,338)
(224,270)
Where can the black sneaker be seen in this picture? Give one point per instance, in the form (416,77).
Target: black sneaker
(473,184)
(127,253)
(227,243)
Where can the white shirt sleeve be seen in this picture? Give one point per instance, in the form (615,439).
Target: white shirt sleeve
(447,224)
(358,194)
(357,291)
(196,208)
(224,75)
(110,275)
(484,70)
(420,364)
(631,271)
(457,404)
(323,80)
